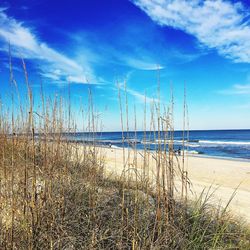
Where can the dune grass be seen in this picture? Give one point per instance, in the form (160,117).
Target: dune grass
(56,195)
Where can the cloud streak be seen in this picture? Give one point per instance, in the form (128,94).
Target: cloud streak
(217,24)
(237,89)
(25,43)
(140,97)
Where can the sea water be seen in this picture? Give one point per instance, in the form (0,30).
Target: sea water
(214,143)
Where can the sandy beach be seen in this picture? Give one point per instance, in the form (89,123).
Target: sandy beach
(224,175)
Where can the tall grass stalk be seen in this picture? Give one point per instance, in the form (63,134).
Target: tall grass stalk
(55,192)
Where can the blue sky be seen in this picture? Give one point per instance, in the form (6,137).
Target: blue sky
(97,44)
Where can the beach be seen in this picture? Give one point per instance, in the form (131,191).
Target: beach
(221,176)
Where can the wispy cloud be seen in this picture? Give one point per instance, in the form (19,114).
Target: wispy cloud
(141,64)
(237,89)
(134,47)
(127,53)
(139,96)
(218,24)
(53,64)
(244,106)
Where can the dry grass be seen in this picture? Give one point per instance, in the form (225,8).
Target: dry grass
(55,196)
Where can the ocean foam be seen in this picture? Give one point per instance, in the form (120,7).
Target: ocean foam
(224,142)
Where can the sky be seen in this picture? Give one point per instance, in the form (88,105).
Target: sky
(97,45)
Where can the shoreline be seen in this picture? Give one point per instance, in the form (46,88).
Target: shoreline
(189,154)
(220,157)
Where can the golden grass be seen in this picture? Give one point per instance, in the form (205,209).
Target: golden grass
(55,196)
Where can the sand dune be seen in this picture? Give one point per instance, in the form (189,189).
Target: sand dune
(224,176)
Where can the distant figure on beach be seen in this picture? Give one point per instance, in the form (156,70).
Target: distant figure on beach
(179,151)
(110,145)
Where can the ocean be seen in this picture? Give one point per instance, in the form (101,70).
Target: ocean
(215,143)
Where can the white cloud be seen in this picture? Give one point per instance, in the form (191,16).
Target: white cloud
(142,64)
(25,43)
(216,24)
(78,79)
(140,97)
(237,89)
(244,106)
